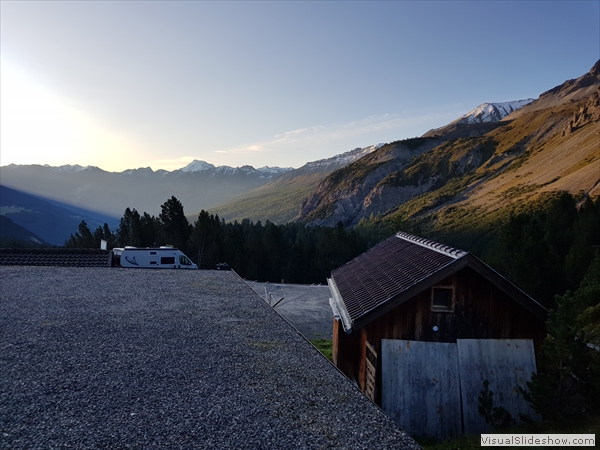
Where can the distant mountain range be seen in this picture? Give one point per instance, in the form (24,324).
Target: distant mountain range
(199,185)
(497,156)
(203,166)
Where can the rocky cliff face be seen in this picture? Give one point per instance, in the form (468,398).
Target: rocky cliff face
(342,195)
(589,112)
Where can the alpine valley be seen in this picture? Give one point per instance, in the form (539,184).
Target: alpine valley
(497,159)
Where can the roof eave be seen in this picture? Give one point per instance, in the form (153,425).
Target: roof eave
(338,307)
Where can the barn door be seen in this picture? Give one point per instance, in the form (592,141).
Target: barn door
(507,364)
(433,388)
(420,387)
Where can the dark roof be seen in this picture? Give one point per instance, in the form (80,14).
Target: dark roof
(55,257)
(398,269)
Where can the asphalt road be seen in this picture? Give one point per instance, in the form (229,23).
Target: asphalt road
(306,307)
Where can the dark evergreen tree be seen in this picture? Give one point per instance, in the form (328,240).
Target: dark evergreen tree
(175,225)
(207,240)
(150,231)
(129,230)
(104,234)
(83,238)
(568,380)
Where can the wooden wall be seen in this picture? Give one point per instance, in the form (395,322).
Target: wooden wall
(433,388)
(481,311)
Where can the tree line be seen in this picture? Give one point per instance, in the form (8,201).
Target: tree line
(545,253)
(292,252)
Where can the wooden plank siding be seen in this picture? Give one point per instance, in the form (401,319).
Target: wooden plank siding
(433,388)
(344,351)
(420,387)
(481,311)
(507,365)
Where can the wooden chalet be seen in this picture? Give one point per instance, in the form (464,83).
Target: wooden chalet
(409,289)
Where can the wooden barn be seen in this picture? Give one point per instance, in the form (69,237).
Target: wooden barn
(419,326)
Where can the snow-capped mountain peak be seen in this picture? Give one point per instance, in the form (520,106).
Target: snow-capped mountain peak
(492,112)
(274,170)
(68,167)
(197,166)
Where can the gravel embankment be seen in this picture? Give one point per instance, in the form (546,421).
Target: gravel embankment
(115,358)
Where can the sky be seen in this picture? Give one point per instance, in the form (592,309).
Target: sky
(128,84)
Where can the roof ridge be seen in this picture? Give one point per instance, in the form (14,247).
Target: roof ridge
(440,248)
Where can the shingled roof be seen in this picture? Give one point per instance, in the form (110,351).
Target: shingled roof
(55,257)
(399,268)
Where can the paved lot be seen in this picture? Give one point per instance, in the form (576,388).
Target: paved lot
(122,358)
(306,307)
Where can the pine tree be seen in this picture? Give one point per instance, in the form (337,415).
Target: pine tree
(568,380)
(83,238)
(176,227)
(128,232)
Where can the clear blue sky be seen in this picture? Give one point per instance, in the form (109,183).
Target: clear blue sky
(133,84)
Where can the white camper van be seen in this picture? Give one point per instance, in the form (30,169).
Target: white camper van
(151,258)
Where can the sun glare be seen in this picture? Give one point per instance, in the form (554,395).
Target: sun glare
(40,127)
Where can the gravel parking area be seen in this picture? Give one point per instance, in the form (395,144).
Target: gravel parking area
(108,358)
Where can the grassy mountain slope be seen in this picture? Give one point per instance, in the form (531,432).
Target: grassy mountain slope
(15,236)
(280,200)
(53,223)
(474,178)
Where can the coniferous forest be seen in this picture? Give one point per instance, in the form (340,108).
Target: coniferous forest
(546,252)
(292,252)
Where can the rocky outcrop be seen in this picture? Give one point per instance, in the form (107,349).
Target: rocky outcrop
(588,113)
(341,196)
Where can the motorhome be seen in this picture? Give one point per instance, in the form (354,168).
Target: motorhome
(151,258)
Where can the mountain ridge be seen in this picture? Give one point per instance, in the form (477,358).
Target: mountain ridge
(532,151)
(50,222)
(411,177)
(94,189)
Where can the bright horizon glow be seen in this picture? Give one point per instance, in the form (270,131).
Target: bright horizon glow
(122,85)
(61,131)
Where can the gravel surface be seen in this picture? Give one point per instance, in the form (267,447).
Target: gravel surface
(131,358)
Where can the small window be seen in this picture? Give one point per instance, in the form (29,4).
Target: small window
(184,261)
(442,298)
(167,260)
(153,253)
(153,262)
